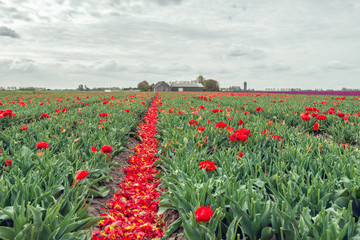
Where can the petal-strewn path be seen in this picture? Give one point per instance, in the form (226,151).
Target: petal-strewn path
(132,210)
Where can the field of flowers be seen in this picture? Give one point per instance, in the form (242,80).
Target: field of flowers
(233,165)
(269,166)
(55,152)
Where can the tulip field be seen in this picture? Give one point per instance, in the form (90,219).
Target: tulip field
(230,165)
(55,152)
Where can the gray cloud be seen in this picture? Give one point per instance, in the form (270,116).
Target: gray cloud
(110,66)
(8,32)
(275,67)
(122,42)
(22,65)
(278,67)
(14,13)
(168,2)
(176,67)
(336,65)
(247,52)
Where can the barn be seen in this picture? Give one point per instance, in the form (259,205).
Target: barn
(162,87)
(190,86)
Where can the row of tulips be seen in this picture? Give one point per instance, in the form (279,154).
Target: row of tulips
(236,171)
(336,117)
(133,209)
(18,109)
(50,168)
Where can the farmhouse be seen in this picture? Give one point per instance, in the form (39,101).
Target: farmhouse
(189,86)
(162,87)
(178,86)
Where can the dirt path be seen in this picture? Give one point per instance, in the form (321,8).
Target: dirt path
(117,175)
(132,211)
(169,217)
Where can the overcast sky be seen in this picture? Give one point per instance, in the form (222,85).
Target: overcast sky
(291,44)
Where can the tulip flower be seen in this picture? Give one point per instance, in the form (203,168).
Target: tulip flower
(42,145)
(203,214)
(106,149)
(208,166)
(316,126)
(81,175)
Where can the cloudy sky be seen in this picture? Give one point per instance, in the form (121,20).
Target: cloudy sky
(270,44)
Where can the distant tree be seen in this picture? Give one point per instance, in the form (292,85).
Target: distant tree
(152,86)
(235,88)
(86,88)
(115,89)
(143,86)
(200,79)
(211,85)
(80,88)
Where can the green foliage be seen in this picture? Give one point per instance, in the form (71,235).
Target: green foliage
(200,79)
(304,186)
(37,199)
(211,85)
(143,86)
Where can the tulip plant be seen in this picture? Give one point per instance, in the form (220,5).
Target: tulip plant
(260,166)
(53,164)
(234,165)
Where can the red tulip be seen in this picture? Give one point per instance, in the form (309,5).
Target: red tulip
(203,214)
(193,122)
(42,145)
(269,123)
(103,114)
(207,165)
(106,149)
(321,117)
(240,135)
(201,129)
(8,162)
(229,129)
(216,110)
(220,124)
(331,111)
(345,146)
(277,137)
(81,175)
(305,117)
(24,128)
(5,113)
(341,115)
(316,126)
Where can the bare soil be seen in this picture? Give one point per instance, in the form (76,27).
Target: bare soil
(170,216)
(117,175)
